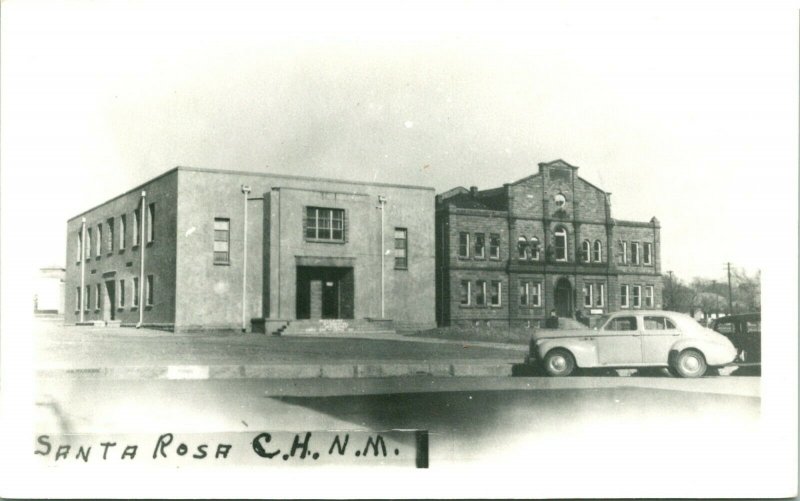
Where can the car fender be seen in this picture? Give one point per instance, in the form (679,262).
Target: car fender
(714,353)
(585,352)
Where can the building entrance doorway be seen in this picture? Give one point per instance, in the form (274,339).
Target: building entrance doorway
(324,292)
(563,298)
(109,309)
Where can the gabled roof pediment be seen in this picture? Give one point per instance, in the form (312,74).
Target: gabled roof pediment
(557,163)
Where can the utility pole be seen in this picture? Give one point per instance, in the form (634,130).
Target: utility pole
(245,192)
(381,206)
(730,291)
(671,291)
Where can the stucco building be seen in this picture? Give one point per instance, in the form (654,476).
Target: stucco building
(512,254)
(178,253)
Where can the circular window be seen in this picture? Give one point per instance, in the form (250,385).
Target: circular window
(560,200)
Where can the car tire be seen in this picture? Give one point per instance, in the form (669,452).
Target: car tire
(690,364)
(559,363)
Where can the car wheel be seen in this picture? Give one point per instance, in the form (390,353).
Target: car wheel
(690,363)
(559,362)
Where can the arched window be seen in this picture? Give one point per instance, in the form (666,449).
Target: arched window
(586,251)
(597,251)
(534,246)
(560,244)
(522,247)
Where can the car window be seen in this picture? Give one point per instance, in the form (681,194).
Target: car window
(658,323)
(621,324)
(725,327)
(754,327)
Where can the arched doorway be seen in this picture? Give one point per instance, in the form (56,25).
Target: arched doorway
(563,298)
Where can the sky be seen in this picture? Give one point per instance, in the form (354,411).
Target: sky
(686,114)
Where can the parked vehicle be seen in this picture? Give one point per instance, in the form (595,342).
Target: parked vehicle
(744,331)
(633,339)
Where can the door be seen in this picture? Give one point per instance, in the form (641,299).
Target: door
(619,341)
(330,298)
(563,298)
(658,336)
(109,305)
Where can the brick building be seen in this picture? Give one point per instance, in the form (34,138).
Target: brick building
(510,255)
(179,253)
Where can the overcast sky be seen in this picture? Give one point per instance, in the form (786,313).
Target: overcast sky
(687,115)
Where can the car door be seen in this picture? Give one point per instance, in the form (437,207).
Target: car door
(619,341)
(658,336)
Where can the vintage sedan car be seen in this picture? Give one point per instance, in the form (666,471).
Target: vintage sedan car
(633,339)
(744,331)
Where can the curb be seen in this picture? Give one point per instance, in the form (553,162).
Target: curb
(319,371)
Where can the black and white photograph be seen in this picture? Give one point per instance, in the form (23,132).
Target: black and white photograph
(398,249)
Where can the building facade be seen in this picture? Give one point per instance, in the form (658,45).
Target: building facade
(207,249)
(510,255)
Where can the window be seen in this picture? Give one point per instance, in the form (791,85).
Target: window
(79,249)
(648,253)
(401,248)
(98,301)
(136,227)
(534,249)
(88,243)
(110,235)
(494,246)
(87,297)
(497,293)
(524,293)
(121,294)
(621,324)
(463,244)
(586,253)
(597,251)
(480,245)
(648,296)
(122,220)
(561,244)
(587,295)
(623,252)
(623,296)
(466,292)
(480,296)
(658,323)
(636,296)
(222,236)
(135,291)
(99,240)
(148,291)
(77,298)
(324,224)
(522,247)
(635,252)
(151,218)
(536,294)
(600,294)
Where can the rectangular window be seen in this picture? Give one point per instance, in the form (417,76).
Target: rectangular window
(636,296)
(648,253)
(121,294)
(148,292)
(110,235)
(324,224)
(222,235)
(87,298)
(536,295)
(623,253)
(648,296)
(635,252)
(77,298)
(98,294)
(99,240)
(599,297)
(466,292)
(79,250)
(524,293)
(122,220)
(136,226)
(401,248)
(88,243)
(151,219)
(534,248)
(494,246)
(135,291)
(463,244)
(561,245)
(587,296)
(480,294)
(623,296)
(480,245)
(497,293)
